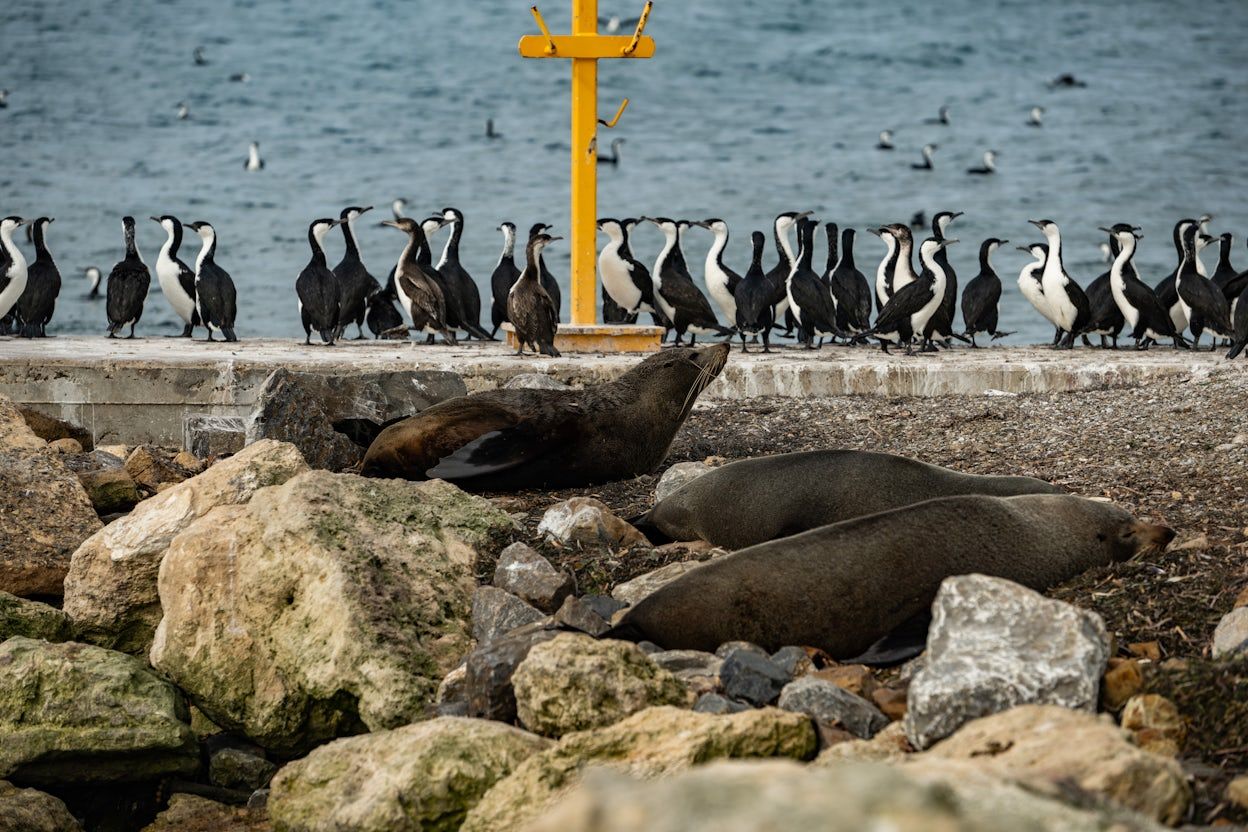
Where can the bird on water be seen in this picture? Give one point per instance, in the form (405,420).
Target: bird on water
(254,162)
(927,164)
(93,276)
(531,310)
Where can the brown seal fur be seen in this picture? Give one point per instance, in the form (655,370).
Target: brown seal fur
(842,587)
(505,440)
(766,498)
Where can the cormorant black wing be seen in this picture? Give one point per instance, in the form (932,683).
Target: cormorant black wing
(905,302)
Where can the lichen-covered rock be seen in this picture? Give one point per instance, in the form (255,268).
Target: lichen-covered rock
(419,777)
(831,704)
(44,511)
(22,617)
(324,606)
(994,644)
(677,477)
(529,576)
(586,521)
(1230,638)
(234,768)
(766,795)
(110,490)
(631,592)
(71,712)
(110,591)
(28,810)
(1155,723)
(575,683)
(191,813)
(1044,746)
(496,613)
(653,742)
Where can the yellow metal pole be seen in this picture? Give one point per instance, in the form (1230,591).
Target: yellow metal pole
(584,169)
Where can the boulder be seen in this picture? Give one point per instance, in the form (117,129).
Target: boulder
(65,446)
(188,462)
(654,742)
(51,429)
(830,704)
(527,575)
(234,768)
(574,683)
(451,697)
(889,745)
(677,477)
(489,669)
(586,521)
(208,436)
(1230,638)
(766,795)
(699,671)
(191,813)
(72,712)
(27,810)
(22,617)
(577,614)
(994,644)
(149,467)
(92,461)
(496,613)
(326,605)
(715,703)
(632,591)
(44,512)
(793,660)
(301,408)
(424,776)
(110,490)
(751,676)
(1045,746)
(534,381)
(1155,723)
(110,592)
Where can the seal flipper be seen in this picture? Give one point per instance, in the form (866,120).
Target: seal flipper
(492,453)
(906,641)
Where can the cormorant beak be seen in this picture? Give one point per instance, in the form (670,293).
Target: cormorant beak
(877,232)
(946,243)
(391,223)
(700,223)
(955,215)
(155,219)
(1024,248)
(552,239)
(1036,223)
(801,214)
(1002,242)
(1103,228)
(365,210)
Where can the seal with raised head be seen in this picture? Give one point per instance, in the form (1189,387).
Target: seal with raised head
(506,440)
(843,587)
(754,500)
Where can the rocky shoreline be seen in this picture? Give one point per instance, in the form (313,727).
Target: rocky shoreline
(251,642)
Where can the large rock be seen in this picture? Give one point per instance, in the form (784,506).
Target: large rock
(207,435)
(496,613)
(27,810)
(698,670)
(110,490)
(1045,747)
(150,468)
(586,521)
(44,511)
(750,675)
(648,744)
(234,768)
(488,671)
(831,704)
(51,429)
(327,605)
(110,592)
(1231,636)
(424,776)
(527,575)
(191,813)
(21,617)
(768,795)
(677,477)
(302,408)
(575,683)
(72,712)
(994,644)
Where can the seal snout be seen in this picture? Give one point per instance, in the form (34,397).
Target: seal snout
(1146,537)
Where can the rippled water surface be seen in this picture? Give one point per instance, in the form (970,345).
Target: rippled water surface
(746,110)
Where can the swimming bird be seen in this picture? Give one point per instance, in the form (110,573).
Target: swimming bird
(4,99)
(809,298)
(681,301)
(254,162)
(355,284)
(128,283)
(317,289)
(93,276)
(849,286)
(184,112)
(1029,284)
(43,284)
(918,219)
(720,280)
(614,157)
(1066,80)
(198,55)
(1147,317)
(531,310)
(548,280)
(942,116)
(1065,296)
(504,277)
(982,296)
(912,306)
(940,325)
(419,293)
(752,297)
(886,140)
(397,207)
(1108,253)
(1105,318)
(215,296)
(176,279)
(1036,117)
(927,151)
(988,167)
(489,130)
(1204,304)
(240,77)
(453,272)
(1165,290)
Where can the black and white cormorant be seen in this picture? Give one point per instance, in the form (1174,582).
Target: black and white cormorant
(548,280)
(614,157)
(941,324)
(942,116)
(184,111)
(4,99)
(982,296)
(43,285)
(1165,290)
(1105,318)
(317,288)
(13,273)
(903,273)
(453,272)
(355,283)
(1145,315)
(721,281)
(254,162)
(809,298)
(625,280)
(884,271)
(419,293)
(216,301)
(176,279)
(93,276)
(1036,117)
(849,286)
(681,301)
(886,140)
(128,283)
(989,165)
(752,296)
(1031,288)
(490,133)
(778,277)
(927,164)
(832,237)
(1066,298)
(504,277)
(531,309)
(642,276)
(1225,272)
(912,306)
(1204,304)
(198,55)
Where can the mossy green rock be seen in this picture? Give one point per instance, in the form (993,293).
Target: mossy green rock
(650,743)
(28,810)
(327,606)
(424,776)
(73,712)
(21,617)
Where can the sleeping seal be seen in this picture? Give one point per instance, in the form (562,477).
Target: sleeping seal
(754,500)
(842,587)
(505,440)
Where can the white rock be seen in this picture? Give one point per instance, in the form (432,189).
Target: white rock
(1231,636)
(677,477)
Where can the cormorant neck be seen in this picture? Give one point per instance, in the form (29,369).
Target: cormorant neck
(348,236)
(847,249)
(830,232)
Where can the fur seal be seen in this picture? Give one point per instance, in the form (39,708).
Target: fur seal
(754,500)
(843,587)
(505,440)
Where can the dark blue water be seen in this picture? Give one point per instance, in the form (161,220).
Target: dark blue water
(746,110)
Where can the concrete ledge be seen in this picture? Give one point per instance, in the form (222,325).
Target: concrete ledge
(143,390)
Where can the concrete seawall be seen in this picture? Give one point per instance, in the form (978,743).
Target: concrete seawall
(144,390)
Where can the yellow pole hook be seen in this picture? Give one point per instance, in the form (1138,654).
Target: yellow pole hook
(618,113)
(641,27)
(541,24)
